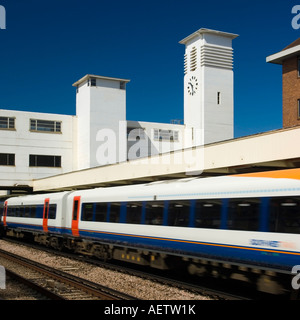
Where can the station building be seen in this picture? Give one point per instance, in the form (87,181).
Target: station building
(99,146)
(39,145)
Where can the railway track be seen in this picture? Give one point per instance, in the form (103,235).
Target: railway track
(56,284)
(215,289)
(158,277)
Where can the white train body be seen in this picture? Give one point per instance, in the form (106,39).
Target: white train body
(253,221)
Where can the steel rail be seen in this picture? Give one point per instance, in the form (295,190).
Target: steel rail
(91,288)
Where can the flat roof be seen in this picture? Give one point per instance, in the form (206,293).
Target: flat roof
(279,57)
(87,76)
(204,30)
(207,160)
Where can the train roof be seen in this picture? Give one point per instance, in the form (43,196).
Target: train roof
(36,198)
(263,184)
(212,187)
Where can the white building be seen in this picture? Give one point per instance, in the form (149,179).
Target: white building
(34,145)
(38,145)
(208,84)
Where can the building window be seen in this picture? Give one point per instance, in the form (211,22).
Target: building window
(7,159)
(298,66)
(122,85)
(134,134)
(44,161)
(165,135)
(92,82)
(193,59)
(45,126)
(218,98)
(298,108)
(7,123)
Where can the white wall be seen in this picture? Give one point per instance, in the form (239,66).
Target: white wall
(108,112)
(148,146)
(83,126)
(214,74)
(101,113)
(22,142)
(219,124)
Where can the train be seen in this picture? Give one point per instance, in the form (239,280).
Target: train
(243,227)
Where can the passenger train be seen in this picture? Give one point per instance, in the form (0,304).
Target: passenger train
(244,227)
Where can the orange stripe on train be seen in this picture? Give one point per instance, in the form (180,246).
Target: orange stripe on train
(286,174)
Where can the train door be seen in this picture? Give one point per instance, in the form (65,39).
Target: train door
(75,216)
(5,214)
(46,214)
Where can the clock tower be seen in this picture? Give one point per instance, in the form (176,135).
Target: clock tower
(208,85)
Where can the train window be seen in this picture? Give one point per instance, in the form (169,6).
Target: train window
(27,211)
(17,211)
(101,212)
(155,213)
(33,212)
(134,212)
(52,211)
(243,214)
(39,210)
(208,213)
(114,214)
(75,208)
(179,213)
(11,212)
(87,212)
(46,214)
(285,215)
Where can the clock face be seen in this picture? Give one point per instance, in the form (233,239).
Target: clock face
(192,85)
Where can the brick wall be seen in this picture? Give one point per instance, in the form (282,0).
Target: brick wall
(290,92)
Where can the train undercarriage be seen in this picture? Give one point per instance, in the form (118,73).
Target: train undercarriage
(264,279)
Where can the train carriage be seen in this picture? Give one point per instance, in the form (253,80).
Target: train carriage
(250,222)
(246,219)
(36,215)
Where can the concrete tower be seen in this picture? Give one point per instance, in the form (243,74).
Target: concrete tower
(208,84)
(101,112)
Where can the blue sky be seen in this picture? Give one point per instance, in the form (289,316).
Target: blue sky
(49,45)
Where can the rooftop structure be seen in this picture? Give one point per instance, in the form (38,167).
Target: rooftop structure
(290,61)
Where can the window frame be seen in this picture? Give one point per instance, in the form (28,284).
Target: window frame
(9,120)
(33,161)
(165,135)
(9,156)
(35,126)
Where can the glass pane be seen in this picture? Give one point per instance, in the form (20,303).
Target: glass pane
(208,213)
(154,212)
(243,214)
(285,215)
(134,212)
(179,213)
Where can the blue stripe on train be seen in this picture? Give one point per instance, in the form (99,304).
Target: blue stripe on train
(261,256)
(212,250)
